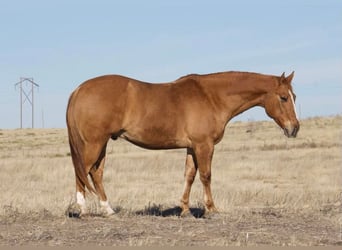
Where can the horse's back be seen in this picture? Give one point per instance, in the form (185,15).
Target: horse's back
(151,115)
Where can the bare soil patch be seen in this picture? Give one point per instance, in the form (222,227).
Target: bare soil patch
(155,226)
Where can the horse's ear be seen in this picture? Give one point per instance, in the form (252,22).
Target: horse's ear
(290,77)
(287,79)
(282,78)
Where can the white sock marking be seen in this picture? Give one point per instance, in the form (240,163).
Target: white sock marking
(106,207)
(80,199)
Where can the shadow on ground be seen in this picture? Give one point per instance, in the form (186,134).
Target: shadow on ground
(157,210)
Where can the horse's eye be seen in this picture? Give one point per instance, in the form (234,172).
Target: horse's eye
(283,98)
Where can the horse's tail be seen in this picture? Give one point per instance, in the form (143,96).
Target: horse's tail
(77,148)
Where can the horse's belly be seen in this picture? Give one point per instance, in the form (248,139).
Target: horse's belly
(155,138)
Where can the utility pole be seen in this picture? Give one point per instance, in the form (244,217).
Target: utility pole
(26,94)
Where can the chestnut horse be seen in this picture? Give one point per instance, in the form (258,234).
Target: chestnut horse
(191,112)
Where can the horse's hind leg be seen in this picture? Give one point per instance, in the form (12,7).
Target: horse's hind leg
(80,201)
(93,159)
(96,174)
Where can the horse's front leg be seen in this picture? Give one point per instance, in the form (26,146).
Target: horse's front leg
(204,154)
(189,176)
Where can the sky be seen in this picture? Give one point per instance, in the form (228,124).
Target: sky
(62,43)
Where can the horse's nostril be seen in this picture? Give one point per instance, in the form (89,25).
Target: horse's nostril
(295,131)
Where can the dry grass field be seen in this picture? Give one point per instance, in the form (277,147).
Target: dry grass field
(270,190)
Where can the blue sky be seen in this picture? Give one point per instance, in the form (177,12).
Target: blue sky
(63,43)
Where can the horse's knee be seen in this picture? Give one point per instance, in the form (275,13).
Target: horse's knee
(205,177)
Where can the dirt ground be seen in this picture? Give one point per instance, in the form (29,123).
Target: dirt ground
(155,226)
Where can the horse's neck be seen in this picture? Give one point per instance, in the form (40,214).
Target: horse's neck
(235,94)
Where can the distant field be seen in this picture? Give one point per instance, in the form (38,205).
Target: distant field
(259,177)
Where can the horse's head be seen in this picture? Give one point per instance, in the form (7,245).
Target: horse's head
(279,104)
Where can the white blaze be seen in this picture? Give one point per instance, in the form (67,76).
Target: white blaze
(293,103)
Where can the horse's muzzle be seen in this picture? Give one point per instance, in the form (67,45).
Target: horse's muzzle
(291,131)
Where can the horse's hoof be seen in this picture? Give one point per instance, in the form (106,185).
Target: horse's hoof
(186,214)
(108,215)
(76,211)
(73,211)
(106,209)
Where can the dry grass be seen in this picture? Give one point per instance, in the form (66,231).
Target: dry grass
(255,167)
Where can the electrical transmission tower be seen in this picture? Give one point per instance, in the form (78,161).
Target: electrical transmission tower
(26,94)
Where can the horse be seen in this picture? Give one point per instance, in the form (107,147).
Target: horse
(190,112)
